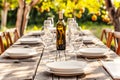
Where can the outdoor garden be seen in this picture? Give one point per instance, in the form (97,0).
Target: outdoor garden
(59,39)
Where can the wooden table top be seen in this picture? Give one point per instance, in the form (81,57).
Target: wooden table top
(25,69)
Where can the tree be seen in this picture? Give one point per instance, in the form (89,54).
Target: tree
(23,14)
(4,12)
(5,6)
(114,14)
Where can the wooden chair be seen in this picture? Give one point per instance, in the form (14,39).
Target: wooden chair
(2,48)
(107,33)
(116,37)
(7,38)
(12,35)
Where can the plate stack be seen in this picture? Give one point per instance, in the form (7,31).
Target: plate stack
(66,68)
(88,40)
(93,52)
(36,33)
(20,52)
(30,40)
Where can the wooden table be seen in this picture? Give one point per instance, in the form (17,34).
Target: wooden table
(24,70)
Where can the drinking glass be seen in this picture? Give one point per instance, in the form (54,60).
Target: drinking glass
(47,25)
(52,21)
(70,20)
(73,30)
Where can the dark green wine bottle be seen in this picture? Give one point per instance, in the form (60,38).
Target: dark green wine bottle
(61,33)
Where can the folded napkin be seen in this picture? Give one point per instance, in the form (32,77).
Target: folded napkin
(113,68)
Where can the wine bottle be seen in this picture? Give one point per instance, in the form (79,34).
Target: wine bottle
(61,33)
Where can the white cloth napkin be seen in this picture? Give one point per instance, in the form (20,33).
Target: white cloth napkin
(113,68)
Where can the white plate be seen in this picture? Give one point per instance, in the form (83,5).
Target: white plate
(86,38)
(87,69)
(63,66)
(29,40)
(93,52)
(72,73)
(36,33)
(20,52)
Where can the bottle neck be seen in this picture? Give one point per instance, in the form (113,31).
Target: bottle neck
(60,15)
(60,19)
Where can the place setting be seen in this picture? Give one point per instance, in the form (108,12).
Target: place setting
(88,40)
(86,48)
(18,55)
(93,52)
(67,64)
(28,43)
(36,33)
(30,40)
(68,68)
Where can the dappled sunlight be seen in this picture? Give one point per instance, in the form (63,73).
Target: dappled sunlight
(97,72)
(96,75)
(23,70)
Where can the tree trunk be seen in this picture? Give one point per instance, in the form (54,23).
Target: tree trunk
(23,15)
(19,16)
(25,18)
(114,14)
(4,14)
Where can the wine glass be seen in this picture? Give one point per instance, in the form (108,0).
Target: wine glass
(70,20)
(52,21)
(47,26)
(72,30)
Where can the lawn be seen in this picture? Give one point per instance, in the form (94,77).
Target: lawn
(95,28)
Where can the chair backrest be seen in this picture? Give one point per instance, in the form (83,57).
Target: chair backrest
(16,35)
(13,34)
(116,36)
(2,48)
(8,39)
(107,33)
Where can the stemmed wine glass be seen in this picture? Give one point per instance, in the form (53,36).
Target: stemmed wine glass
(48,39)
(76,41)
(52,21)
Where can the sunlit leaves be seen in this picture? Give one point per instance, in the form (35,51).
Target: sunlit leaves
(13,4)
(92,5)
(59,5)
(116,3)
(28,1)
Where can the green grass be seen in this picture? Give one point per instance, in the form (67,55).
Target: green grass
(95,28)
(33,28)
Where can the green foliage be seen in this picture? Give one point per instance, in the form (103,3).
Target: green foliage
(13,4)
(82,10)
(116,3)
(95,27)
